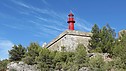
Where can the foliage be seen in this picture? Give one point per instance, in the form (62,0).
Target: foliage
(97,64)
(50,60)
(102,40)
(107,40)
(93,43)
(12,70)
(81,55)
(119,53)
(3,65)
(63,48)
(17,53)
(32,52)
(44,60)
(62,60)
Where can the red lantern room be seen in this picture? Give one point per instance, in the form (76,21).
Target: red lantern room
(71,21)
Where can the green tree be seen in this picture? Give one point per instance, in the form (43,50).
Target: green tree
(93,43)
(102,40)
(107,40)
(81,58)
(111,30)
(64,60)
(45,59)
(59,59)
(97,64)
(32,52)
(119,53)
(17,53)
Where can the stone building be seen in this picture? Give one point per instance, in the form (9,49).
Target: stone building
(69,39)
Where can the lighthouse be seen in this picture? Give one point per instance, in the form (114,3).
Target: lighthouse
(71,21)
(70,38)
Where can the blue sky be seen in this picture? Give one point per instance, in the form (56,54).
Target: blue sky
(26,21)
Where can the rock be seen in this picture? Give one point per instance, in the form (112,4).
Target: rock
(84,69)
(21,66)
(90,54)
(21,63)
(105,56)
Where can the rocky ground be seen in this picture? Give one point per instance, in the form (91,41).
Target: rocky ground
(21,66)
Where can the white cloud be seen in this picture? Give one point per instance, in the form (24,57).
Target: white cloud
(83,25)
(46,11)
(54,28)
(12,26)
(5,45)
(43,19)
(56,20)
(20,3)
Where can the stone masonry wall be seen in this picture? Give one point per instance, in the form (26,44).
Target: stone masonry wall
(70,40)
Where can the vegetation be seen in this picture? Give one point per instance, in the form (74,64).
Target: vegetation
(97,64)
(119,53)
(17,53)
(32,52)
(3,65)
(102,41)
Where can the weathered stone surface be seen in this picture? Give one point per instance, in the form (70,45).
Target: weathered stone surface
(70,40)
(105,56)
(21,66)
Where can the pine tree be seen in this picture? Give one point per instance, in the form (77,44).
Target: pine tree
(32,53)
(17,53)
(119,53)
(81,56)
(102,40)
(93,43)
(97,64)
(107,36)
(45,59)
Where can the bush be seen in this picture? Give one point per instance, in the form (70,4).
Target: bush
(81,56)
(3,65)
(96,64)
